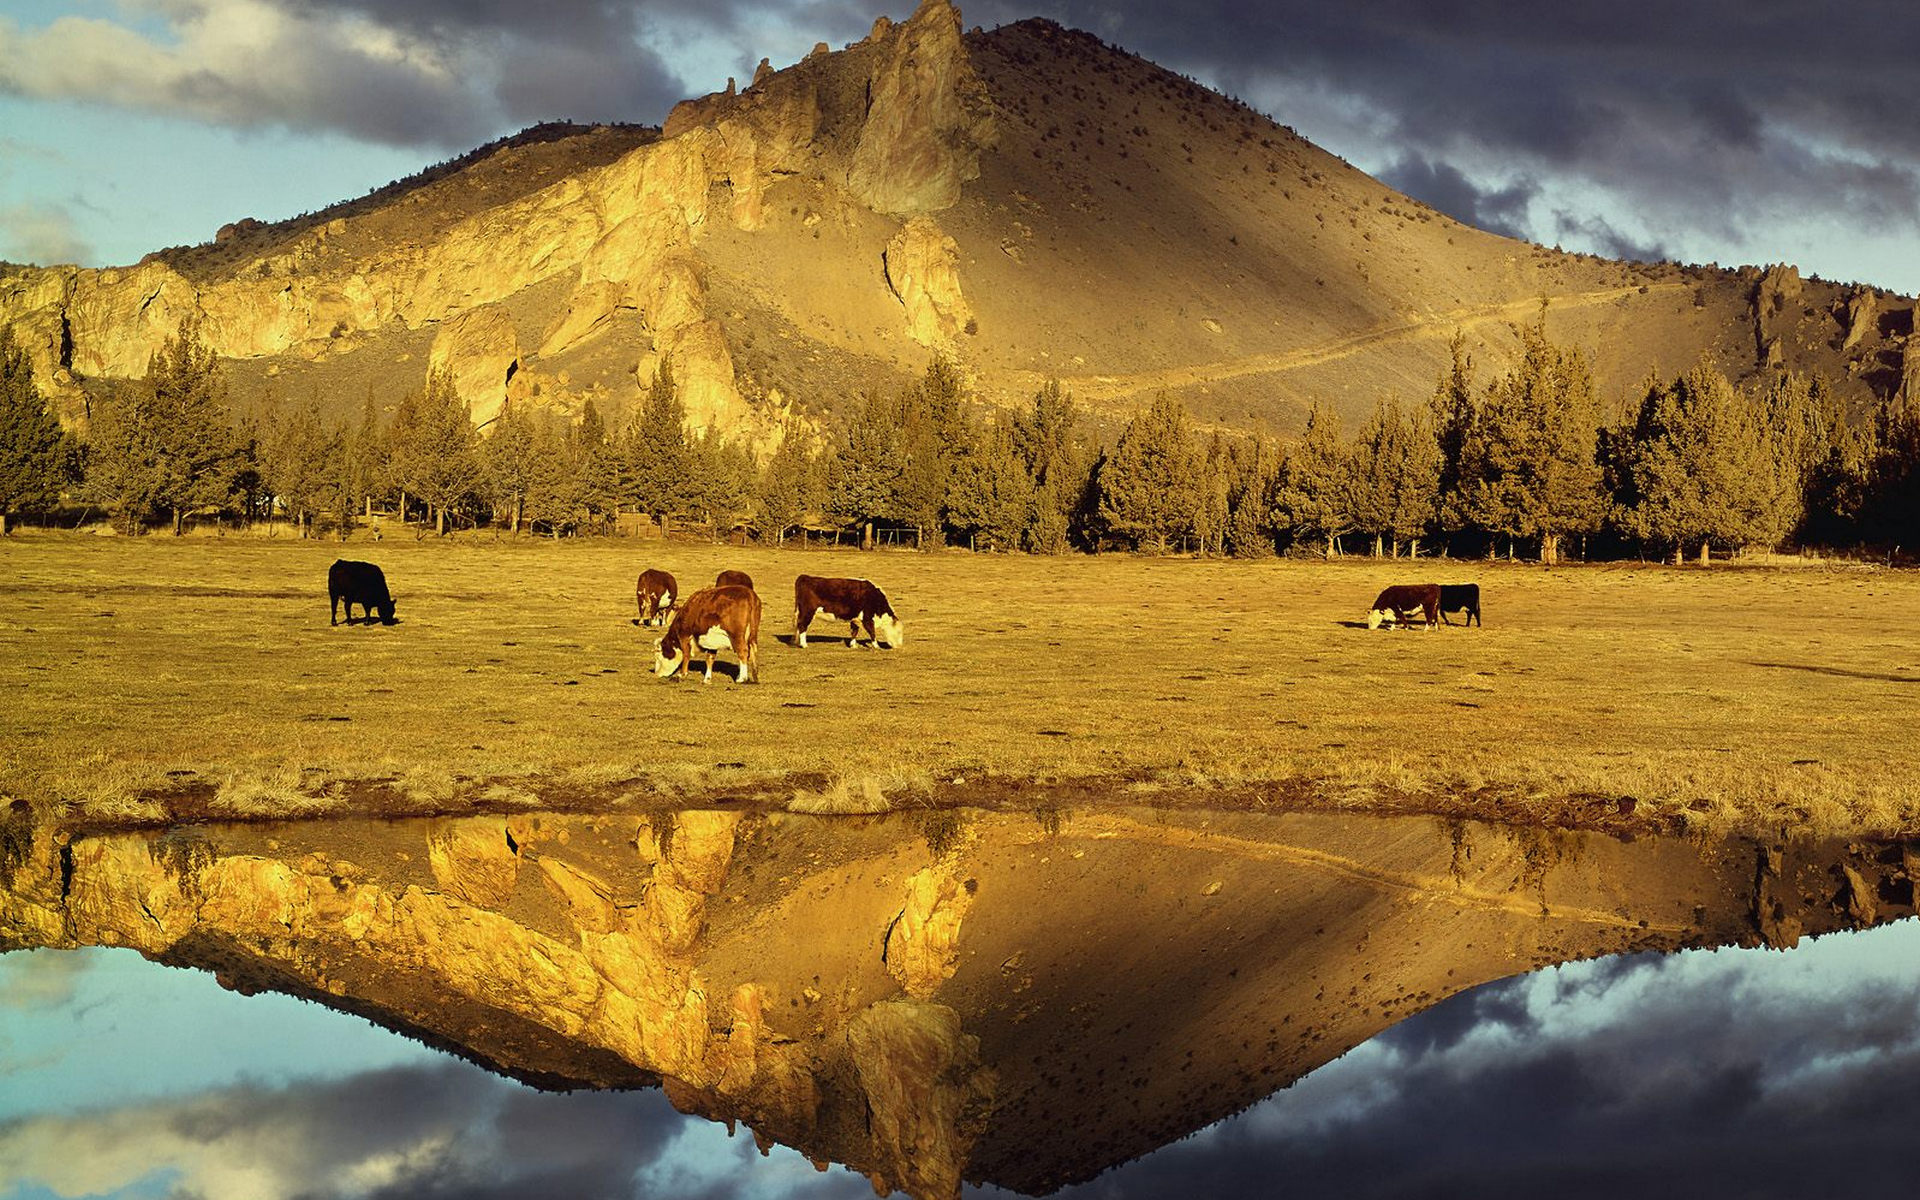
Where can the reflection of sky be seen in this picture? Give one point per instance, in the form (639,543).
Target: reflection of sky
(1735,1073)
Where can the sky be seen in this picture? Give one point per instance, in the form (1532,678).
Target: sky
(1727,1073)
(1725,131)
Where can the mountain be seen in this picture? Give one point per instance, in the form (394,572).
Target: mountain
(1029,200)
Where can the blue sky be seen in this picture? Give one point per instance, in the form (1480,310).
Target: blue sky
(1731,1073)
(1718,130)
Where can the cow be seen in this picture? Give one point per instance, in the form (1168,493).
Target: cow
(1398,602)
(654,592)
(1458,597)
(733,579)
(359,583)
(712,619)
(855,601)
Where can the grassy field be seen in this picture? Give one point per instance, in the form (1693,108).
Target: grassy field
(159,678)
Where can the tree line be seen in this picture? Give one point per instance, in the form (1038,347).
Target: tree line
(1527,462)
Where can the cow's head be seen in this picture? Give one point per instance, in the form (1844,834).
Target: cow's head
(1375,616)
(664,665)
(385,609)
(888,629)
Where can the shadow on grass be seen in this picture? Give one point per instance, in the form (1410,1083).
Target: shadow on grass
(1812,669)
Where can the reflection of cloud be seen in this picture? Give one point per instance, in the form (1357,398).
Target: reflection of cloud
(40,979)
(1706,1075)
(41,233)
(417,1131)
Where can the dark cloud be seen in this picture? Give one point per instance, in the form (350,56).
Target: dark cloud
(1594,233)
(1502,211)
(1716,117)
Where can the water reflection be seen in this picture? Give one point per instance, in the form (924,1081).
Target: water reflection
(1018,999)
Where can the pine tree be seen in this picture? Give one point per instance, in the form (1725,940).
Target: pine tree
(36,457)
(1315,496)
(935,436)
(1150,484)
(598,462)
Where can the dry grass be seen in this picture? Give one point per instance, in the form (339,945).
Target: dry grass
(199,676)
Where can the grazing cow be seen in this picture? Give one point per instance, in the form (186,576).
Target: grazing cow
(359,583)
(712,619)
(1398,602)
(855,601)
(733,579)
(654,593)
(1458,597)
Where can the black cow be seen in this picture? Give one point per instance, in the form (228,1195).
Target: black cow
(358,583)
(1458,597)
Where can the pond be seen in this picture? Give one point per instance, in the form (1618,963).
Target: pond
(1122,1002)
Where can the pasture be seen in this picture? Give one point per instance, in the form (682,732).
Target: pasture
(155,679)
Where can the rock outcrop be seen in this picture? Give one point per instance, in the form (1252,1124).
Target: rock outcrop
(927,119)
(1776,310)
(1861,317)
(923,272)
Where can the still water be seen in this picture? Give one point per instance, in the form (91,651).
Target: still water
(1120,1004)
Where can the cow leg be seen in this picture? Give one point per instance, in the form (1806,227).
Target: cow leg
(801,620)
(333,610)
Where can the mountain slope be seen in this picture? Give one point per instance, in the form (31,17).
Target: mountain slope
(1029,200)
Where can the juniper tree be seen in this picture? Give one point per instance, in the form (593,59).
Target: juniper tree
(1149,486)
(36,457)
(508,457)
(1315,493)
(1529,464)
(191,431)
(992,496)
(788,488)
(300,462)
(864,469)
(1705,468)
(654,451)
(435,451)
(1056,462)
(1254,475)
(1396,474)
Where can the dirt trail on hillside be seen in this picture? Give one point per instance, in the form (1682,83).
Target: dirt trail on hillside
(1096,388)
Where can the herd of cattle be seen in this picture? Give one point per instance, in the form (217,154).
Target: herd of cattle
(726,616)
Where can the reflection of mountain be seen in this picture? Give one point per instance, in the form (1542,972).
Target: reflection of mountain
(1029,200)
(959,995)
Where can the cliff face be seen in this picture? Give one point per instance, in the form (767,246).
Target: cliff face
(1029,201)
(621,240)
(964,996)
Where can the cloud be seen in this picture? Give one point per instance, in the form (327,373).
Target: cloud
(43,234)
(1442,185)
(397,74)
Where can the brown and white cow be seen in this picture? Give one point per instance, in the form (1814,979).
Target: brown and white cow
(1398,602)
(711,620)
(855,601)
(655,593)
(733,579)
